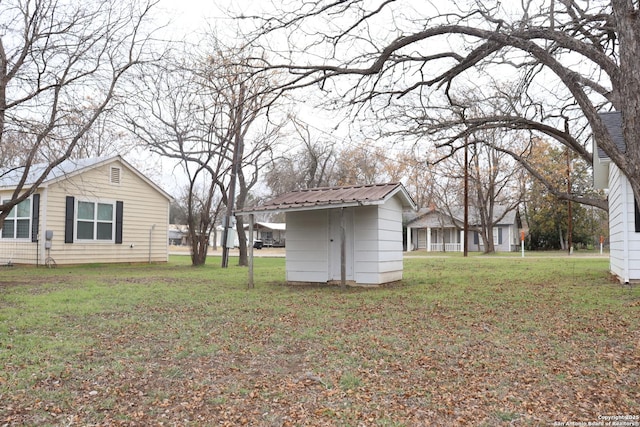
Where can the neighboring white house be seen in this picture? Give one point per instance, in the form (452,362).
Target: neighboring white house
(354,229)
(178,234)
(269,233)
(440,231)
(99,210)
(624,217)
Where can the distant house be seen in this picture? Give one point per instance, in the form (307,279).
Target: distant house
(271,234)
(624,216)
(352,230)
(178,234)
(99,210)
(436,230)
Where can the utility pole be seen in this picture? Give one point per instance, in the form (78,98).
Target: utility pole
(235,165)
(570,213)
(465,243)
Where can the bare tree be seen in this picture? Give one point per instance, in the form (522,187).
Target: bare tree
(363,163)
(496,185)
(312,165)
(503,108)
(248,123)
(62,65)
(422,51)
(178,118)
(203,109)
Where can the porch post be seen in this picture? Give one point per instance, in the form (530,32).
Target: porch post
(462,239)
(409,248)
(428,239)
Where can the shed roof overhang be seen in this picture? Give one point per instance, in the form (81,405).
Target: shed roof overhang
(333,198)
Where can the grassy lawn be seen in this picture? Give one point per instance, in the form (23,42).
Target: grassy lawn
(479,341)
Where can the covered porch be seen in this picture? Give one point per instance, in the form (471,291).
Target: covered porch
(435,239)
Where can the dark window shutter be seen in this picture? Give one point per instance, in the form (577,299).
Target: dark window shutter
(119,212)
(35,217)
(499,235)
(637,215)
(475,238)
(68,219)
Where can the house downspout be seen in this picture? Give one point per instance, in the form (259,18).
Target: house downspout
(150,236)
(43,224)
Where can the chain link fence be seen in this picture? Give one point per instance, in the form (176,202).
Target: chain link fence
(14,252)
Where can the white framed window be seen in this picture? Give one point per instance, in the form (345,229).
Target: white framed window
(17,225)
(497,235)
(95,221)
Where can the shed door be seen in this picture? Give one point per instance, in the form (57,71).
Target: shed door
(334,243)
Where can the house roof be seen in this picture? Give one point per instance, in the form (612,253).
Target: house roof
(10,177)
(613,122)
(279,226)
(334,197)
(441,218)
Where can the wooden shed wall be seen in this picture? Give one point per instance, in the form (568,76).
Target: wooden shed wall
(374,255)
(307,246)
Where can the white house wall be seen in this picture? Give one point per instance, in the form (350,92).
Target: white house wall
(624,241)
(510,237)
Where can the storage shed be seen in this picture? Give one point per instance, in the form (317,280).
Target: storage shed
(350,234)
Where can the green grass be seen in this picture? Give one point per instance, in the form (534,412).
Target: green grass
(486,340)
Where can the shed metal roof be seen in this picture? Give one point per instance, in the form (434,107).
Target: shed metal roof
(334,197)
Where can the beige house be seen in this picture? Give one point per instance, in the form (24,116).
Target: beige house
(99,210)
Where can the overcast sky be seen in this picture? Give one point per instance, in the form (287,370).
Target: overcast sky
(189,18)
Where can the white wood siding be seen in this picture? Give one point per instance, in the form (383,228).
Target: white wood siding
(367,245)
(307,246)
(624,240)
(143,206)
(374,247)
(390,250)
(378,249)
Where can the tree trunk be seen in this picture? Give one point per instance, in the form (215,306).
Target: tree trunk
(243,259)
(199,246)
(628,22)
